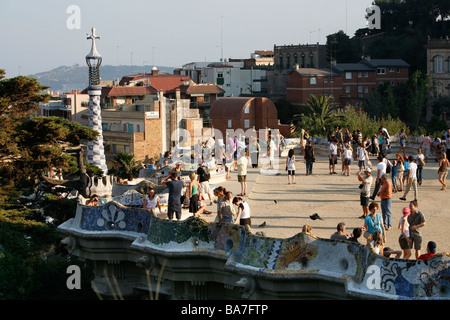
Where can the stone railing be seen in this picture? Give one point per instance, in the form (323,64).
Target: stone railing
(262,267)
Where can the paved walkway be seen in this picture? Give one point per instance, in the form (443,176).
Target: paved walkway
(286,207)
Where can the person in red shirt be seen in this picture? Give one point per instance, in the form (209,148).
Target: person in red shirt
(431,251)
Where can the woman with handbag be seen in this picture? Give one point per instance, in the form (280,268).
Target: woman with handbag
(373,222)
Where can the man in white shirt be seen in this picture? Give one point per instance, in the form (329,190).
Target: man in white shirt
(242,172)
(412,178)
(361,153)
(332,155)
(381,169)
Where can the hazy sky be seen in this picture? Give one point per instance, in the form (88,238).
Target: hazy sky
(34,36)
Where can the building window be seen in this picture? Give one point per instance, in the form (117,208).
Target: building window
(366,90)
(360,89)
(126,149)
(438,64)
(247,108)
(312,94)
(381,70)
(391,69)
(313,80)
(230,123)
(348,75)
(347,89)
(105,127)
(366,74)
(246,123)
(325,80)
(359,74)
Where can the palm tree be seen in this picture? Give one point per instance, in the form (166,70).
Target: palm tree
(319,114)
(126,164)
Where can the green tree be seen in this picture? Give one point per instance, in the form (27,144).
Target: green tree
(126,165)
(320,115)
(418,96)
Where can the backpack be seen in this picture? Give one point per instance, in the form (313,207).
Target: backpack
(204,173)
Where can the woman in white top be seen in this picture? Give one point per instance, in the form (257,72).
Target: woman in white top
(243,215)
(151,201)
(403,240)
(290,166)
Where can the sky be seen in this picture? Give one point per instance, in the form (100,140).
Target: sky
(37,36)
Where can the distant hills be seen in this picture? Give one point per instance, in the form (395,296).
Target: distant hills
(66,79)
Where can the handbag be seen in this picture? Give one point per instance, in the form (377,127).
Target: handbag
(421,162)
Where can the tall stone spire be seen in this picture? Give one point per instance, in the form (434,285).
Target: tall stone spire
(95,149)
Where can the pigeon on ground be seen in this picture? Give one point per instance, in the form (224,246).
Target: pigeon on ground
(262,225)
(315,216)
(275,201)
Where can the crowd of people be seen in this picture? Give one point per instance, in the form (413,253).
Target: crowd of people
(403,174)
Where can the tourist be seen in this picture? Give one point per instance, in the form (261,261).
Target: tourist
(177,169)
(437,148)
(244,212)
(377,242)
(333,155)
(443,170)
(362,158)
(175,187)
(404,240)
(385,195)
(242,173)
(431,251)
(357,232)
(366,183)
(375,145)
(226,213)
(401,171)
(302,140)
(193,191)
(373,222)
(201,207)
(203,178)
(93,201)
(151,201)
(420,162)
(271,148)
(381,169)
(290,166)
(348,157)
(416,221)
(309,157)
(394,175)
(426,145)
(402,140)
(307,229)
(412,179)
(340,233)
(151,164)
(254,152)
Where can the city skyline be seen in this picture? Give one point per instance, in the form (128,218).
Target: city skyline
(41,36)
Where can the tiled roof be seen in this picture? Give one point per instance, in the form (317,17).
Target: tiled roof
(164,82)
(202,89)
(131,91)
(229,107)
(314,72)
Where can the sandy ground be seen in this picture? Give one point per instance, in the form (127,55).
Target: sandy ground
(286,207)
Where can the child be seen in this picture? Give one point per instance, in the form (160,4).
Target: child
(348,155)
(394,175)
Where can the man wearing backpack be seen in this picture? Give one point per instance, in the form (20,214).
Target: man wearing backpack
(203,179)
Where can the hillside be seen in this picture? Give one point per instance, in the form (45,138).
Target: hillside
(66,78)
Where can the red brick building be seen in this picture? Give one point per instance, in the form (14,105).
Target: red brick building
(245,113)
(347,83)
